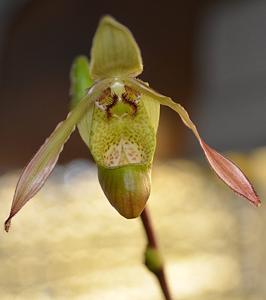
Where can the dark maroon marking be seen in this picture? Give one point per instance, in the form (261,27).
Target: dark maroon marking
(108,100)
(106,94)
(130,97)
(109,106)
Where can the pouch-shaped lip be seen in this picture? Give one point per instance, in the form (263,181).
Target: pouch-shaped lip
(127,188)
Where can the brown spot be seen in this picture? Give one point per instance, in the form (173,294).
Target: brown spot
(107,100)
(109,106)
(131,97)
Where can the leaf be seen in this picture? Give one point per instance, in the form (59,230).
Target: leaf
(224,168)
(40,167)
(114,51)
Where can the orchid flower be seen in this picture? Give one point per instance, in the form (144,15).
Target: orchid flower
(117,116)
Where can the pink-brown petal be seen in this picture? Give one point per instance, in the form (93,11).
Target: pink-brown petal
(230,174)
(224,168)
(41,165)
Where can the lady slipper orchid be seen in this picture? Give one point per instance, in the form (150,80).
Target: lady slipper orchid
(117,116)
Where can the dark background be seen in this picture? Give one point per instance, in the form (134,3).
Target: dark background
(208,55)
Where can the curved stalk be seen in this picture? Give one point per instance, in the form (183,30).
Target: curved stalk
(153,260)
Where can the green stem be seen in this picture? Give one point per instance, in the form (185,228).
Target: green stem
(153,260)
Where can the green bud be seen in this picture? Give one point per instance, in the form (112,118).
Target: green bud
(153,259)
(127,188)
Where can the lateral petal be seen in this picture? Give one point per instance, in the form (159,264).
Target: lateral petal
(223,167)
(41,165)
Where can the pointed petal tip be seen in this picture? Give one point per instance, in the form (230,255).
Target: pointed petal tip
(107,19)
(255,200)
(7,224)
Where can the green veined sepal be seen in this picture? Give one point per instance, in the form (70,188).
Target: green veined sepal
(114,52)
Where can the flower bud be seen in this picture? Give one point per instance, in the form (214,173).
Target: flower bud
(126,187)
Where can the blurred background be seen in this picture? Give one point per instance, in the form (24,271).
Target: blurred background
(210,56)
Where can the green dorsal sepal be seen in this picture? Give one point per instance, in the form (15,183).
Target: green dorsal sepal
(114,52)
(127,188)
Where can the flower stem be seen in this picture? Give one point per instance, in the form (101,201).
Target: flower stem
(153,260)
